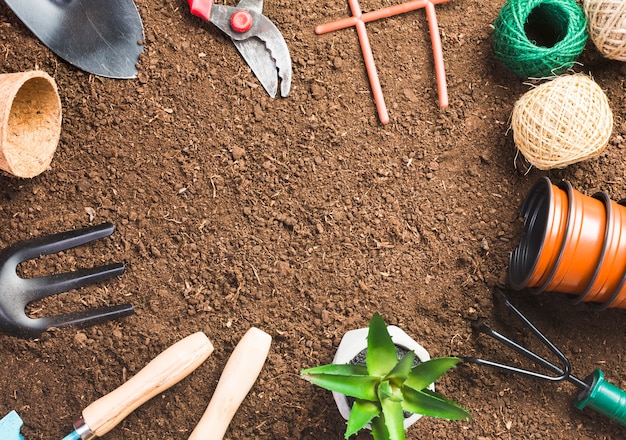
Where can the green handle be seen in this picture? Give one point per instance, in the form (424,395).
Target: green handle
(604,398)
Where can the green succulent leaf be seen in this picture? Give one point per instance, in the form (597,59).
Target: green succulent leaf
(430,403)
(387,390)
(393,418)
(384,391)
(338,369)
(422,375)
(379,430)
(357,386)
(361,414)
(381,354)
(402,369)
(386,386)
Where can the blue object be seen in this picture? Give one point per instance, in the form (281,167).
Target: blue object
(10,427)
(72,436)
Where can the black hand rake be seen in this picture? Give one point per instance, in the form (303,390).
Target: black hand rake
(17,292)
(594,392)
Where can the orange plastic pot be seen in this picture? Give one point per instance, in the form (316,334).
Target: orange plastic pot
(545,213)
(573,244)
(616,297)
(620,302)
(584,243)
(611,269)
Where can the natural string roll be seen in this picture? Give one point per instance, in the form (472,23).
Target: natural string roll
(539,38)
(561,122)
(607,26)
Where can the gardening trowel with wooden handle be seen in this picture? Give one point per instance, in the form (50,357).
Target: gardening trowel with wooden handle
(103,37)
(167,369)
(241,371)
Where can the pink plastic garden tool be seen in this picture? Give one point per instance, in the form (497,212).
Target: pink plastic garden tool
(359,19)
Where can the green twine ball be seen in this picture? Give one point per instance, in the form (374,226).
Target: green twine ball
(539,38)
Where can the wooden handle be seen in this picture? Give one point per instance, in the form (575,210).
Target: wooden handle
(240,373)
(165,370)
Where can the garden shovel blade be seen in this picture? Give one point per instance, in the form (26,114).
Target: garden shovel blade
(10,426)
(103,37)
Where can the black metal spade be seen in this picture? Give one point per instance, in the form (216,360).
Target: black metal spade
(103,37)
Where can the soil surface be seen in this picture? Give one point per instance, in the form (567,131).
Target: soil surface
(301,216)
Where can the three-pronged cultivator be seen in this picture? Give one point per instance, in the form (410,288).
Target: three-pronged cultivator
(17,292)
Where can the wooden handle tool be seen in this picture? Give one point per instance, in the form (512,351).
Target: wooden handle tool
(167,369)
(240,373)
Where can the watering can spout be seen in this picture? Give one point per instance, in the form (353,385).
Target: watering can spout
(603,397)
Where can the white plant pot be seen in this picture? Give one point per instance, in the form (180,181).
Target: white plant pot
(355,341)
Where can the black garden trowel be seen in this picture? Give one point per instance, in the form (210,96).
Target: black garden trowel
(103,37)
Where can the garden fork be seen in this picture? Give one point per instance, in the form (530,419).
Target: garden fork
(17,292)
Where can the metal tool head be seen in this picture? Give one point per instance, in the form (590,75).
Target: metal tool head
(257,39)
(103,37)
(10,427)
(17,292)
(595,393)
(559,373)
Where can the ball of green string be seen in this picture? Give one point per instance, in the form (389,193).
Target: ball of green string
(539,38)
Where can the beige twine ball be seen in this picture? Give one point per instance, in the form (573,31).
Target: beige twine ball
(606,22)
(561,122)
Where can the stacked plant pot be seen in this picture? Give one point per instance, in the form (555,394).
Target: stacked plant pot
(573,244)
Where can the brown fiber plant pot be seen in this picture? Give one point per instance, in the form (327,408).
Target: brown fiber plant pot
(573,244)
(30,127)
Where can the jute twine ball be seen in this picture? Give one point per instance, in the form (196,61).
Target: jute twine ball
(539,38)
(561,122)
(607,26)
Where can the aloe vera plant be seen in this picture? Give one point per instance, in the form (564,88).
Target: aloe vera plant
(387,386)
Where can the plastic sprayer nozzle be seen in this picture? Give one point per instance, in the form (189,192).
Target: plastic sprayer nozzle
(603,397)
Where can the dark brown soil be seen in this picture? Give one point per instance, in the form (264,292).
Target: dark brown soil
(301,216)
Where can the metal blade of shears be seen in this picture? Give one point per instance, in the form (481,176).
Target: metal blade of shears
(260,43)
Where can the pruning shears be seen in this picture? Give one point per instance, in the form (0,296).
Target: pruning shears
(257,39)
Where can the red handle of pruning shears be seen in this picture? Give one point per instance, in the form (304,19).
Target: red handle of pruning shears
(201,8)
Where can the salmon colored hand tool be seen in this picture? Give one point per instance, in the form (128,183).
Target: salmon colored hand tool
(359,19)
(595,393)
